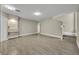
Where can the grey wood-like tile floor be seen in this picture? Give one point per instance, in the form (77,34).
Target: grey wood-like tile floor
(39,45)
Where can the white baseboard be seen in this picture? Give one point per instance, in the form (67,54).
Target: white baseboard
(13,37)
(69,34)
(21,35)
(51,35)
(27,34)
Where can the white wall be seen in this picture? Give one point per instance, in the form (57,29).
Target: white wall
(51,27)
(68,23)
(38,27)
(3,27)
(27,26)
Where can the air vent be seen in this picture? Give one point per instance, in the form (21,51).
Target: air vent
(11,8)
(17,10)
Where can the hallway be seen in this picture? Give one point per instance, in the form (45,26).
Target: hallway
(40,45)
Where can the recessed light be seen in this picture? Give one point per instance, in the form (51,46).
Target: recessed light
(10,7)
(37,13)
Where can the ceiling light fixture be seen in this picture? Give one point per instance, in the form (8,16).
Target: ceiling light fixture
(12,20)
(10,7)
(37,13)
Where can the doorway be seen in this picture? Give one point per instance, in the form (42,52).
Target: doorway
(13,26)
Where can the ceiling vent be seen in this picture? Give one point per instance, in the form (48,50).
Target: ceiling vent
(11,8)
(17,10)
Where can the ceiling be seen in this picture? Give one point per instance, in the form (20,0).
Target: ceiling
(47,10)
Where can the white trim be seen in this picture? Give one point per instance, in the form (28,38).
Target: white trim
(70,34)
(76,22)
(51,35)
(13,37)
(21,35)
(27,34)
(77,41)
